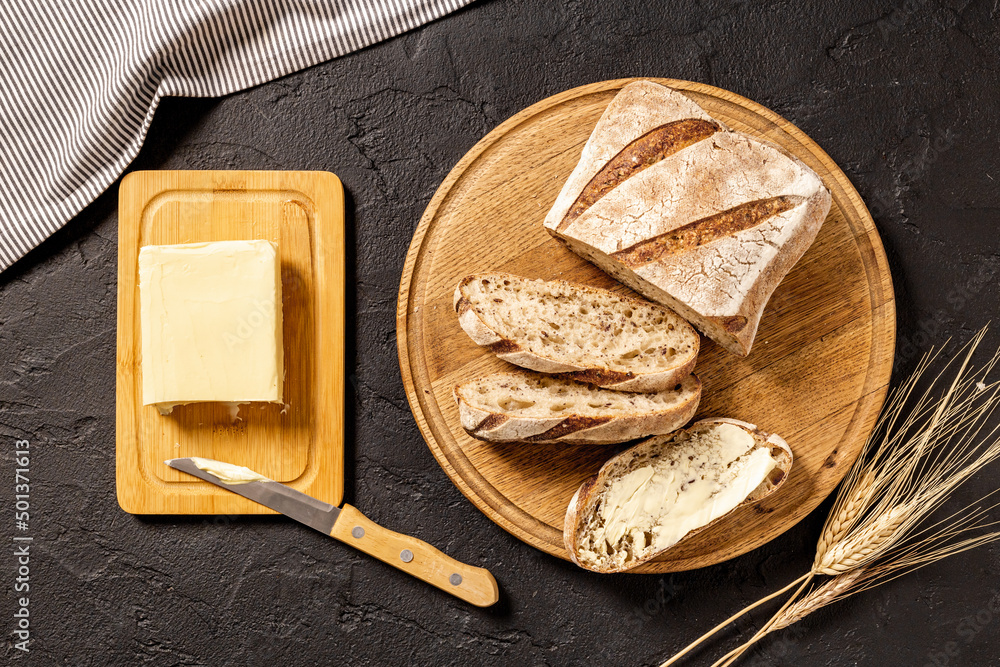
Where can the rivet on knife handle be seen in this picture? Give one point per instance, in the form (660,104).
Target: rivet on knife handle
(472,584)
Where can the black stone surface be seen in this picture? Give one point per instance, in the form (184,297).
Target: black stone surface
(902,94)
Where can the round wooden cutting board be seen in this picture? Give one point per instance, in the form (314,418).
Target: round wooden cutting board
(817,375)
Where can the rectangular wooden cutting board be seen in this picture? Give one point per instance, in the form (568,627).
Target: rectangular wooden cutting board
(300,444)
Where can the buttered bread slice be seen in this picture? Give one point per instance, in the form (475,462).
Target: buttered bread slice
(666,489)
(531,407)
(688,213)
(582,333)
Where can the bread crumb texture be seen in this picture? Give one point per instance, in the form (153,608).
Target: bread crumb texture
(585,327)
(539,396)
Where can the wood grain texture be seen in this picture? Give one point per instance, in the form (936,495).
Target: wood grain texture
(817,376)
(300,445)
(473,584)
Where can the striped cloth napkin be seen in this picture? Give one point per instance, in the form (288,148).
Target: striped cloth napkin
(82,78)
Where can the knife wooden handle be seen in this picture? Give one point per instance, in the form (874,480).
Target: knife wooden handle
(416,557)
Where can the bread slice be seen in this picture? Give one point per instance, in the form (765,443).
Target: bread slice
(696,217)
(645,500)
(583,333)
(530,407)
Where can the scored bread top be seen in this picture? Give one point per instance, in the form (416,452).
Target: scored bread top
(666,489)
(590,334)
(708,227)
(531,407)
(647,106)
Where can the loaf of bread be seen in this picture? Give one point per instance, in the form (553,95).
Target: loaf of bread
(530,407)
(688,213)
(581,333)
(645,500)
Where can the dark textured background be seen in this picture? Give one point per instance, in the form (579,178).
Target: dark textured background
(903,95)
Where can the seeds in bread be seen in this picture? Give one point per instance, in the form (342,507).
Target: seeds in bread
(531,407)
(665,489)
(587,334)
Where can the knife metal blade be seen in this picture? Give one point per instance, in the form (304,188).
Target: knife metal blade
(279,497)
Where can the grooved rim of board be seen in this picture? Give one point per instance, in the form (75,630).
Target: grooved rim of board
(838,300)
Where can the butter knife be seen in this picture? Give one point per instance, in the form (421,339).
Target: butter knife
(473,584)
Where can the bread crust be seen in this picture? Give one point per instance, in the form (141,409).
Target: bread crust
(727,181)
(577,429)
(513,352)
(648,149)
(586,497)
(632,113)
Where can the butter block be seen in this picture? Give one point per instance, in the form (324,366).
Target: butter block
(211,323)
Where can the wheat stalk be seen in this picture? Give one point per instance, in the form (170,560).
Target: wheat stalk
(794,610)
(923,447)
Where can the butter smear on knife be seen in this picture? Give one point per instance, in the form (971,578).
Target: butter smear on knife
(228,472)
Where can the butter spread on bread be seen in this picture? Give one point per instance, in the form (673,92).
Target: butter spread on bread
(690,214)
(582,333)
(647,499)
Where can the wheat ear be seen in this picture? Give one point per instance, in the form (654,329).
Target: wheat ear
(833,590)
(867,544)
(840,522)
